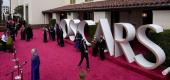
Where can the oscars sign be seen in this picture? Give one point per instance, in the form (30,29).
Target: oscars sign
(118,45)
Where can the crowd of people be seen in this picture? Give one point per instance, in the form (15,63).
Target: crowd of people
(11,32)
(98,46)
(26,33)
(53,32)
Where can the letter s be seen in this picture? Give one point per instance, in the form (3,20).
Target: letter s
(157,51)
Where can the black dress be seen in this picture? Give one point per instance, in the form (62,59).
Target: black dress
(58,35)
(52,34)
(95,48)
(101,49)
(61,38)
(45,36)
(29,33)
(23,34)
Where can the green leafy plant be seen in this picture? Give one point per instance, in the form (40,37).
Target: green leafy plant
(19,10)
(52,22)
(90,31)
(163,40)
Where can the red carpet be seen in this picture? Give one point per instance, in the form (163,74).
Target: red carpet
(61,63)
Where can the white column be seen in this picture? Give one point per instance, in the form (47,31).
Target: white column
(100,15)
(54,16)
(46,19)
(58,18)
(161,17)
(24,12)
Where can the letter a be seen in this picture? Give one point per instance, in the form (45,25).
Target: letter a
(104,27)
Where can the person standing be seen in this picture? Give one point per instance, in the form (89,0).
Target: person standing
(94,47)
(4,41)
(49,33)
(61,38)
(58,34)
(11,28)
(45,34)
(35,64)
(101,48)
(78,39)
(84,54)
(22,32)
(52,32)
(16,28)
(29,33)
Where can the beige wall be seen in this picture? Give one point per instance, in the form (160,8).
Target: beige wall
(82,1)
(67,2)
(14,4)
(79,1)
(162,18)
(38,17)
(99,0)
(37,6)
(20,2)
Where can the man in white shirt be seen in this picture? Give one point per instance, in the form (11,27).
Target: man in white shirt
(4,40)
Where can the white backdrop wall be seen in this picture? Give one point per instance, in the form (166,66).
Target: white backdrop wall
(162,18)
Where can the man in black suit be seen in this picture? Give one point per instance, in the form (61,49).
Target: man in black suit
(84,53)
(101,48)
(94,47)
(29,33)
(45,34)
(61,38)
(58,33)
(52,34)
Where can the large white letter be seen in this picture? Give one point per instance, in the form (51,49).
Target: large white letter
(63,24)
(104,27)
(124,43)
(81,27)
(74,26)
(157,51)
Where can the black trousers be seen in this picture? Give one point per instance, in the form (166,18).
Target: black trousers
(28,37)
(84,55)
(53,36)
(3,46)
(101,54)
(94,52)
(58,40)
(45,37)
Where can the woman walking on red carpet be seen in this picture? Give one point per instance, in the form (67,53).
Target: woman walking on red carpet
(35,63)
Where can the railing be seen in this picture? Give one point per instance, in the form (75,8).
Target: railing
(17,68)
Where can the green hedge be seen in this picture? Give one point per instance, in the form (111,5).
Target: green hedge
(90,30)
(163,40)
(52,22)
